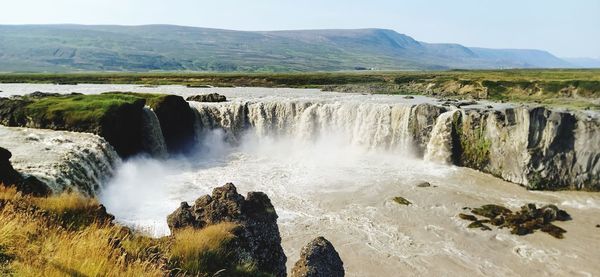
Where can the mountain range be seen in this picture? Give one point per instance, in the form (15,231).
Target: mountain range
(66,48)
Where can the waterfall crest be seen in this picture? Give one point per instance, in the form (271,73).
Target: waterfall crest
(373,126)
(153,141)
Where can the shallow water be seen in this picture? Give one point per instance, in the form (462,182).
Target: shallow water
(326,187)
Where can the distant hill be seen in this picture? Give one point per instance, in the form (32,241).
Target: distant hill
(584,62)
(176,48)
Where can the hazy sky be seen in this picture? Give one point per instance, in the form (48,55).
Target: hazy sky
(567,28)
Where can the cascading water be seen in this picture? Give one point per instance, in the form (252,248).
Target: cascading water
(439,148)
(373,126)
(153,141)
(63,160)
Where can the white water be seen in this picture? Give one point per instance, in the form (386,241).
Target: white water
(63,160)
(336,178)
(153,139)
(439,148)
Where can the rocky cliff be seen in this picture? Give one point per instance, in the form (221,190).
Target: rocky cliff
(533,146)
(120,118)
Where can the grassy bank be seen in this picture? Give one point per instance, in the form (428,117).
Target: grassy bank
(574,88)
(70,235)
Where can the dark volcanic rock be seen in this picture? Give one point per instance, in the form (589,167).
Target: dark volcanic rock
(319,259)
(213,97)
(259,238)
(177,123)
(122,128)
(525,221)
(10,177)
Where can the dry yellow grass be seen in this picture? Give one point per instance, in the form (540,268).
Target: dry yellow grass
(32,246)
(62,236)
(66,202)
(205,251)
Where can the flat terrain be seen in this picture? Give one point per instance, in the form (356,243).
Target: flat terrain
(571,88)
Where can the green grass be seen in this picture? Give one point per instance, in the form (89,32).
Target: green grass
(570,88)
(75,110)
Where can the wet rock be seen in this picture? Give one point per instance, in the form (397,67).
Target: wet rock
(523,222)
(552,212)
(25,184)
(423,185)
(553,230)
(213,97)
(479,224)
(466,103)
(39,94)
(467,217)
(8,175)
(401,200)
(319,259)
(409,97)
(259,241)
(491,211)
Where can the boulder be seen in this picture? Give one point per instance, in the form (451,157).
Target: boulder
(259,241)
(212,97)
(319,259)
(8,175)
(25,184)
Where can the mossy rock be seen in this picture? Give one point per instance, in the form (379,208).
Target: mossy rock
(491,211)
(401,201)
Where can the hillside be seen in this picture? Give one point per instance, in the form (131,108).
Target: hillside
(64,48)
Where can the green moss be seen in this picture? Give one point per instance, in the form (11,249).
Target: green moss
(475,147)
(535,85)
(76,110)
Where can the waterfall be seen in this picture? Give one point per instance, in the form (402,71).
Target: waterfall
(439,148)
(66,161)
(370,125)
(153,140)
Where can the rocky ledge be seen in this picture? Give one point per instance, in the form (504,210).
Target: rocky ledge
(117,117)
(212,97)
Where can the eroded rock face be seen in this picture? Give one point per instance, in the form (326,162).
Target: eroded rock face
(212,97)
(25,184)
(259,240)
(535,147)
(176,122)
(319,259)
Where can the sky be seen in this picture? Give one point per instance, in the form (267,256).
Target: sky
(566,28)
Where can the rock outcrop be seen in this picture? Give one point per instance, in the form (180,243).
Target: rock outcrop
(25,184)
(258,240)
(535,147)
(120,118)
(319,259)
(177,122)
(212,97)
(120,124)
